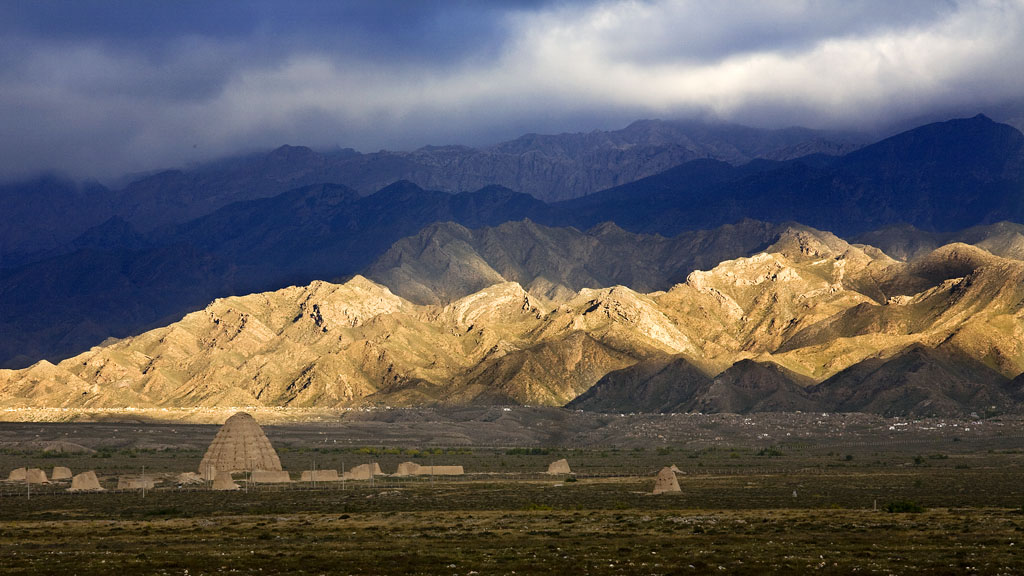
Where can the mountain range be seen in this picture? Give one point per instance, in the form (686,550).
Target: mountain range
(64,291)
(718,284)
(811,322)
(45,214)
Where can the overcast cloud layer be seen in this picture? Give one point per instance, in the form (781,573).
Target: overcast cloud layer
(97,89)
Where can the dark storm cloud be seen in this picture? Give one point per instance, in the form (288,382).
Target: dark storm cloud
(99,88)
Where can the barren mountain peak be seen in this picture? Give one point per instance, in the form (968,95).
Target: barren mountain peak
(496,304)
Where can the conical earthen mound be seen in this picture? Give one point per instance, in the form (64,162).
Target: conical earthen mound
(85,482)
(559,467)
(666,481)
(240,446)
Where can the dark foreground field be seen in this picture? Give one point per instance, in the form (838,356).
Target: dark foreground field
(876,498)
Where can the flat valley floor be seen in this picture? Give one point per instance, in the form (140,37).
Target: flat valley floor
(784,494)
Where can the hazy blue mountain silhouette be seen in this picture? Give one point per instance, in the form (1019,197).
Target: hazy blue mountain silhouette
(940,177)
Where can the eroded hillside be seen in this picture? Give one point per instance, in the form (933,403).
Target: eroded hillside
(750,334)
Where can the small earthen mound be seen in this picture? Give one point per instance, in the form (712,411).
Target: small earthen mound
(320,476)
(85,482)
(414,469)
(666,481)
(363,472)
(17,475)
(64,447)
(60,473)
(408,469)
(559,467)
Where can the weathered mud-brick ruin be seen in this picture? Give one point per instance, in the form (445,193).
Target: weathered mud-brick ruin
(240,446)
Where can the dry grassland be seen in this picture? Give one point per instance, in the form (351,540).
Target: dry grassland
(813,504)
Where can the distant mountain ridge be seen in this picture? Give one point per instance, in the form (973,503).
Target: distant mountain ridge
(941,177)
(446,261)
(50,211)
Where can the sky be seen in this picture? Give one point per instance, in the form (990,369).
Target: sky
(97,89)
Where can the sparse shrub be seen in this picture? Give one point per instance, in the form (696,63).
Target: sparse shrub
(849,457)
(904,507)
(770,451)
(169,511)
(570,479)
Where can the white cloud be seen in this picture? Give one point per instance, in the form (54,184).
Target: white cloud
(826,64)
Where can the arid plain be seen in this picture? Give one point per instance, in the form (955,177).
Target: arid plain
(765,493)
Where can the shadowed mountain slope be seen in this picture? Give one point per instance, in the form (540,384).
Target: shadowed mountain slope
(940,177)
(447,261)
(656,385)
(918,381)
(676,385)
(749,386)
(905,242)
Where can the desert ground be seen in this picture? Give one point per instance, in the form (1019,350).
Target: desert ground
(770,493)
